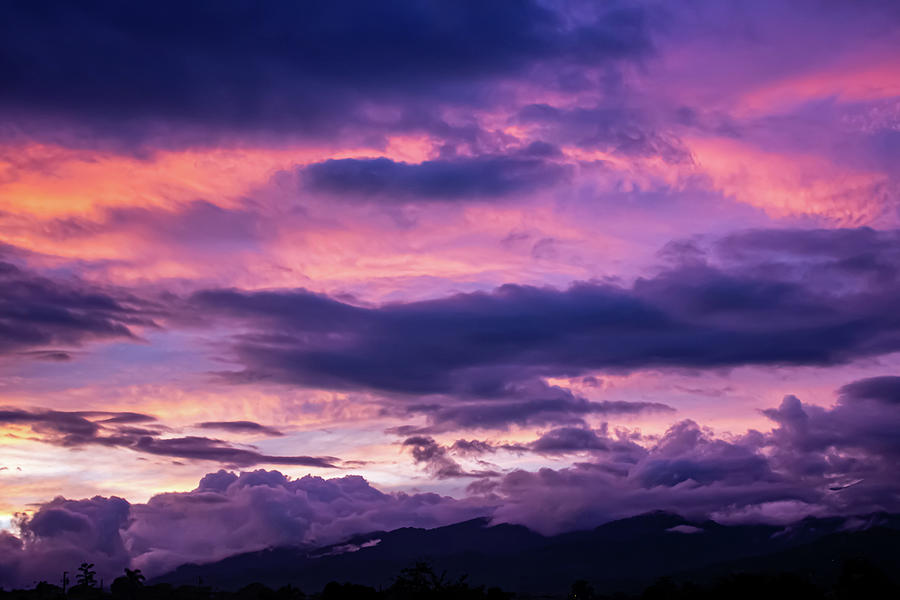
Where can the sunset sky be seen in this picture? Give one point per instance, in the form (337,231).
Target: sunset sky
(551,262)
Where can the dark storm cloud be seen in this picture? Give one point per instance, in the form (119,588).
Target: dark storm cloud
(38,311)
(76,429)
(483,176)
(240,427)
(730,305)
(188,72)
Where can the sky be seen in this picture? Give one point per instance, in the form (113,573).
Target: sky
(281,273)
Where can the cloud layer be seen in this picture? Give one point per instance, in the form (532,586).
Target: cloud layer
(813,461)
(526,254)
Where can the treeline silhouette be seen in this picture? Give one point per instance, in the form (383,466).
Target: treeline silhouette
(856,579)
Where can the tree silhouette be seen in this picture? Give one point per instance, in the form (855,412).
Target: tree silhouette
(420,582)
(87,576)
(420,579)
(129,585)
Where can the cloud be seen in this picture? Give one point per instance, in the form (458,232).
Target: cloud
(177,74)
(569,439)
(48,355)
(74,429)
(240,427)
(531,403)
(853,442)
(437,460)
(37,311)
(815,461)
(826,298)
(612,128)
(438,180)
(193,225)
(688,454)
(479,447)
(883,389)
(201,448)
(822,461)
(118,417)
(70,425)
(230,513)
(62,534)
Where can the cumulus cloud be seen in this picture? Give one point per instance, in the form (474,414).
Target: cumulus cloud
(225,514)
(852,446)
(62,534)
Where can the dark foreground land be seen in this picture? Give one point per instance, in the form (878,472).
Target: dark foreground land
(653,556)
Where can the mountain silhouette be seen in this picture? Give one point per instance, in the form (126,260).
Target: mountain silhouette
(623,555)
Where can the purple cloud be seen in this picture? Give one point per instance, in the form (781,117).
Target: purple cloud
(265,73)
(74,429)
(240,427)
(37,311)
(63,533)
(570,439)
(838,460)
(437,460)
(439,180)
(826,298)
(883,389)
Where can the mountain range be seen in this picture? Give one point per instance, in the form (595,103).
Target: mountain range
(622,555)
